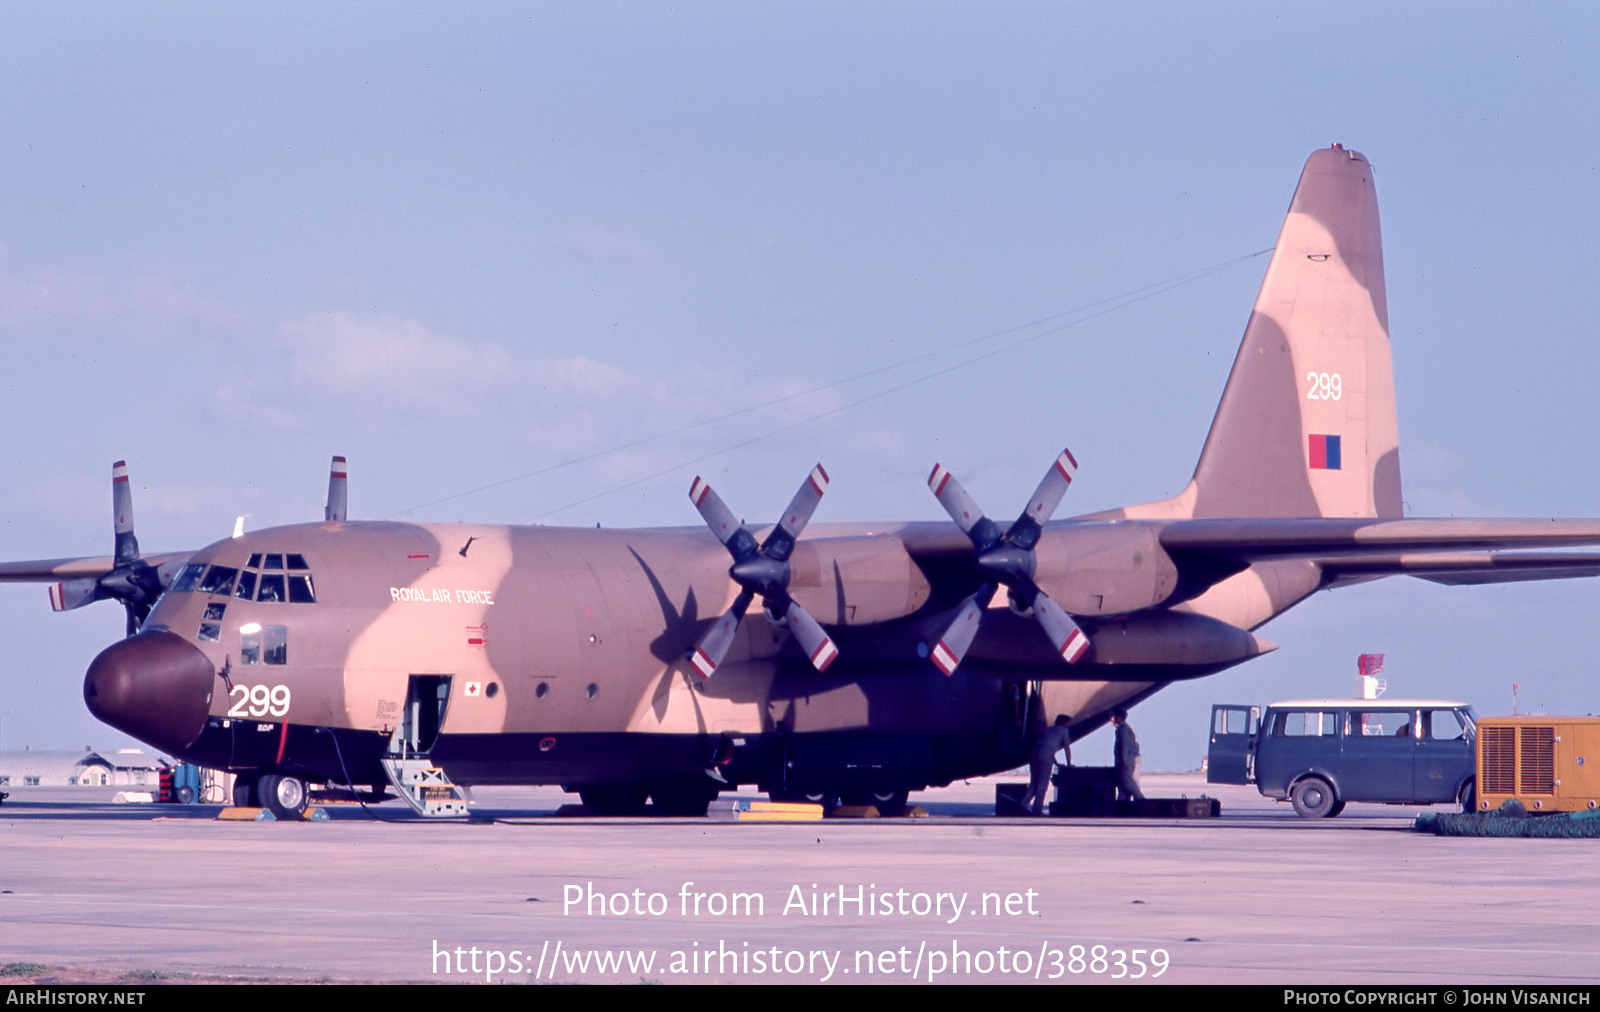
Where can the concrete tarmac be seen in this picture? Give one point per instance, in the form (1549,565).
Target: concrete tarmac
(1259,896)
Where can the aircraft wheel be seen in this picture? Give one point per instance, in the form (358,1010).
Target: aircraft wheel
(1313,798)
(690,800)
(1468,797)
(614,799)
(244,791)
(283,795)
(888,803)
(828,801)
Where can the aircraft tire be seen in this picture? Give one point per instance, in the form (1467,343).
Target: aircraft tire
(888,803)
(828,801)
(1313,798)
(284,796)
(613,799)
(682,800)
(244,792)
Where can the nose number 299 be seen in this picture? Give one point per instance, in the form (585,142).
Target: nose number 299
(259,701)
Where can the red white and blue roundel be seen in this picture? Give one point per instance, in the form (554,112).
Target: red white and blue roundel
(1324,453)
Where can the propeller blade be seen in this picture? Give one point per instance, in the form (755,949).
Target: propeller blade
(952,646)
(781,541)
(761,570)
(127,546)
(713,646)
(816,643)
(70,594)
(1069,639)
(715,512)
(963,509)
(1048,495)
(337,510)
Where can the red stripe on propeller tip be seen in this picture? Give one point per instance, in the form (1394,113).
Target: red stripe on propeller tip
(703,663)
(824,655)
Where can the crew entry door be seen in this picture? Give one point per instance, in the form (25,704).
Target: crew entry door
(427,697)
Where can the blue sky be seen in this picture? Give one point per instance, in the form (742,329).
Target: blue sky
(464,245)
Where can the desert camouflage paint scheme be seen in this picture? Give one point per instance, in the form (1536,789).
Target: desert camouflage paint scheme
(565,656)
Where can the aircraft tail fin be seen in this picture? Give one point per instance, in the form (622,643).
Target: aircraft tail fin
(1306,426)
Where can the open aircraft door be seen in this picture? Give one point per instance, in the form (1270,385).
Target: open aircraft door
(1231,758)
(423,785)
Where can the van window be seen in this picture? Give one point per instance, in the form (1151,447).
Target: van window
(1384,723)
(1443,725)
(1232,722)
(1305,723)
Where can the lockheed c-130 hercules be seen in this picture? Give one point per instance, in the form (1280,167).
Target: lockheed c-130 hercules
(627,664)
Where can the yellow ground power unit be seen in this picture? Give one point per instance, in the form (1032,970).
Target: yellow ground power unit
(1549,764)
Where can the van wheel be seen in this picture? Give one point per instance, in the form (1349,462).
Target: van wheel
(283,795)
(1313,798)
(1468,797)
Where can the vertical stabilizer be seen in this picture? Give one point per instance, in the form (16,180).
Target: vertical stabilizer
(1306,426)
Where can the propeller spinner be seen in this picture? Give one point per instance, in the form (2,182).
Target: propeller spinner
(761,569)
(1007,559)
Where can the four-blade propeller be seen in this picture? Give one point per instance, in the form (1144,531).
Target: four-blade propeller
(1007,559)
(761,569)
(131,580)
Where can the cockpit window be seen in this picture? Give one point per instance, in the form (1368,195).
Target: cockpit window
(218,580)
(275,644)
(258,643)
(274,585)
(271,588)
(188,578)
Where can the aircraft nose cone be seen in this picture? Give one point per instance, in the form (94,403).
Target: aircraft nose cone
(155,686)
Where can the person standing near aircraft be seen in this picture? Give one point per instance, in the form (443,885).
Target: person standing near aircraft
(1042,762)
(1126,757)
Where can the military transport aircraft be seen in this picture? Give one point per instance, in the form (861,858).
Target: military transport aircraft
(628,665)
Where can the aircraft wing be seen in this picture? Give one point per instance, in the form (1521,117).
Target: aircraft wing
(1443,550)
(1253,540)
(1464,568)
(87,567)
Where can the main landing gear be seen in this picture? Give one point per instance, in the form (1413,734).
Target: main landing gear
(283,794)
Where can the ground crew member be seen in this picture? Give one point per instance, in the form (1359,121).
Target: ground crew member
(1126,757)
(1042,762)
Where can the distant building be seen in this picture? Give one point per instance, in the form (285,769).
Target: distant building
(128,767)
